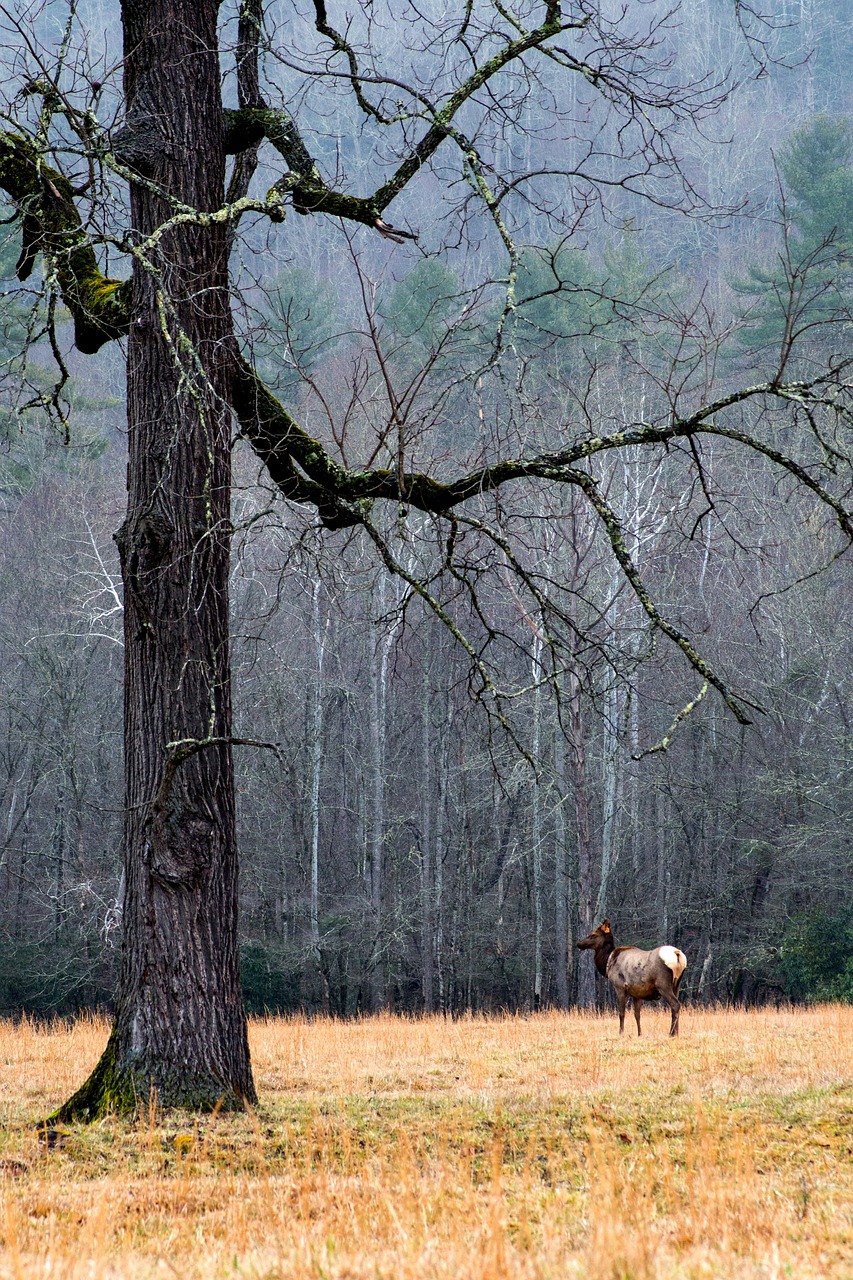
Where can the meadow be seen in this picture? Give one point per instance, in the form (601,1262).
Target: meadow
(419,1149)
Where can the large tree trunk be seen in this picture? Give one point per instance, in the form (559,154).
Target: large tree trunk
(180,1025)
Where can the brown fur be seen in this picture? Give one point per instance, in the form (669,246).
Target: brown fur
(642,975)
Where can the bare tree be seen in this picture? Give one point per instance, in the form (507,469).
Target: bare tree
(452,113)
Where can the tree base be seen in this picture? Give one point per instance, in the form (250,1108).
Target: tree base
(111,1090)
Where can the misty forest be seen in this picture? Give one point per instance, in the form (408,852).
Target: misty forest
(567,634)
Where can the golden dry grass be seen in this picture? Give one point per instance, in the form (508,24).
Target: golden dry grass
(417,1149)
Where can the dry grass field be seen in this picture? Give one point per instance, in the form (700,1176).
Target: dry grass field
(417,1149)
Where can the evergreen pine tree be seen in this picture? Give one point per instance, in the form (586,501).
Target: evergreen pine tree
(807,286)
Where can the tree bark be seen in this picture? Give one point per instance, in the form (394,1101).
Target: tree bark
(610,795)
(316,754)
(536,823)
(583,828)
(180,1026)
(562,917)
(426,862)
(378,701)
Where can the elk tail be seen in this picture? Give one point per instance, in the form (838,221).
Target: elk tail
(675,960)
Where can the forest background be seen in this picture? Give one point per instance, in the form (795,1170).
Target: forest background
(400,849)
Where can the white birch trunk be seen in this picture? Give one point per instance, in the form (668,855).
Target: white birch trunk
(320,632)
(426,864)
(536,822)
(378,704)
(562,915)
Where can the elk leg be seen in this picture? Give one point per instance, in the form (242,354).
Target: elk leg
(675,1006)
(621,1000)
(638,1004)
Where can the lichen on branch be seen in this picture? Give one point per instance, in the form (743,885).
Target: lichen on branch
(100,306)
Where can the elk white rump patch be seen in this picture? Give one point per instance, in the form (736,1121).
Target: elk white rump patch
(673,959)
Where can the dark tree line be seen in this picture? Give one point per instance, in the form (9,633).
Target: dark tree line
(735,843)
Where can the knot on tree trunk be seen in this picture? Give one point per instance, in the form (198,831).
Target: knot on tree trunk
(139,143)
(180,848)
(150,544)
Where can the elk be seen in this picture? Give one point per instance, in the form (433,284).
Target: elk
(642,975)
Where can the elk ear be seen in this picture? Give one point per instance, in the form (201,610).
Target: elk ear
(605,926)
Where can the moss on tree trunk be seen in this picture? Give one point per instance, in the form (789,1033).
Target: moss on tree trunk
(113,1090)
